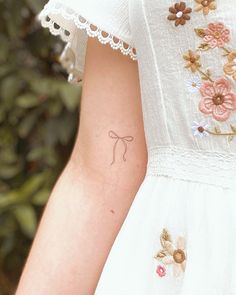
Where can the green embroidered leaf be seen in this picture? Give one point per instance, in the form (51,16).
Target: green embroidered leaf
(204,78)
(233,128)
(217,130)
(200,32)
(225,54)
(161,254)
(208,73)
(165,235)
(204,47)
(230,138)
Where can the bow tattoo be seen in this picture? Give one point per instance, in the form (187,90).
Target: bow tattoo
(124,140)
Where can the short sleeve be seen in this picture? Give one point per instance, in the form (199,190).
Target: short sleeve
(75,20)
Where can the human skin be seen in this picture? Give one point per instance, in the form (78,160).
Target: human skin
(91,198)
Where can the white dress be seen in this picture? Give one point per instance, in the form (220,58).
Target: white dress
(179,236)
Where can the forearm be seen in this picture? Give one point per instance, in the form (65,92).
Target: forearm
(93,195)
(77,230)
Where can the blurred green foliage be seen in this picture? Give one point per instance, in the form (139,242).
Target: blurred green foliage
(38,121)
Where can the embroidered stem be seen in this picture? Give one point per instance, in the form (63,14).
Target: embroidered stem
(224,134)
(226,50)
(205,75)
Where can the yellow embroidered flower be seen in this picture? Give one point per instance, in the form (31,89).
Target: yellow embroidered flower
(230,67)
(192,61)
(205,6)
(172,254)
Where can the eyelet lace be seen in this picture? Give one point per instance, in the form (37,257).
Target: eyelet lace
(56,8)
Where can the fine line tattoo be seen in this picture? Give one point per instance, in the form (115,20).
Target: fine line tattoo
(123,139)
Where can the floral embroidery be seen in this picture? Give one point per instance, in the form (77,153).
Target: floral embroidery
(215,35)
(172,254)
(230,67)
(192,61)
(217,99)
(161,271)
(200,129)
(179,13)
(205,6)
(194,84)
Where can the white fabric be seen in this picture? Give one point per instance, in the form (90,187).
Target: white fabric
(75,20)
(190,185)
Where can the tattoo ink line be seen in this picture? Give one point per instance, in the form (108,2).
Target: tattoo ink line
(123,139)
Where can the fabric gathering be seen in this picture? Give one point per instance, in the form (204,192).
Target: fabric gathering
(179,237)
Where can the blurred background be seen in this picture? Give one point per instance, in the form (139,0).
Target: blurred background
(38,123)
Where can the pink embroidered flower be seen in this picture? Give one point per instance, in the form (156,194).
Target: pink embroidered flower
(216,35)
(218,99)
(172,253)
(161,271)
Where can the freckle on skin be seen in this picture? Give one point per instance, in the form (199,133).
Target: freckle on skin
(112,211)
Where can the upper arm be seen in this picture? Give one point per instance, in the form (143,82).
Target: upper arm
(111,124)
(111,133)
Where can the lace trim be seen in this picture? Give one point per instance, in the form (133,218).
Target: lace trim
(83,24)
(207,167)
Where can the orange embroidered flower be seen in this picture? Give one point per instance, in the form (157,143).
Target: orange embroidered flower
(216,35)
(192,61)
(218,99)
(205,6)
(179,13)
(230,67)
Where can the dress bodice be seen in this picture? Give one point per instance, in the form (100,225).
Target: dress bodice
(182,221)
(187,61)
(186,53)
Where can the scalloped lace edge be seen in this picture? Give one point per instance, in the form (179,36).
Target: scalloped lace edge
(83,24)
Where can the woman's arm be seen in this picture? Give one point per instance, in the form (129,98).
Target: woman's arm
(93,194)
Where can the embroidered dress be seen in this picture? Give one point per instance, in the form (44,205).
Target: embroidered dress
(179,237)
